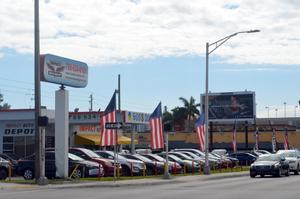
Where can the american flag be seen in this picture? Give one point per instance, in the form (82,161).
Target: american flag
(256,140)
(200,130)
(234,146)
(286,140)
(156,130)
(109,136)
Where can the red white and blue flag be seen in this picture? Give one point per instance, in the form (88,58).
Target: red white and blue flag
(200,131)
(286,140)
(234,145)
(109,136)
(156,130)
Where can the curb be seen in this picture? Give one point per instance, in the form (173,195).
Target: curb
(129,183)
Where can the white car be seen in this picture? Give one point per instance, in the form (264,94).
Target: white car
(293,158)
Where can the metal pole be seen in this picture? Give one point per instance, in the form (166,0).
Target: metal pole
(246,135)
(37,92)
(206,166)
(166,171)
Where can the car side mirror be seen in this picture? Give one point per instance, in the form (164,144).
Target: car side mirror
(282,159)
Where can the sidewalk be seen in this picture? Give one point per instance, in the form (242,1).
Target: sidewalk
(123,183)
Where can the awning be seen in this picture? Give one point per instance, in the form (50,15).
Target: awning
(93,139)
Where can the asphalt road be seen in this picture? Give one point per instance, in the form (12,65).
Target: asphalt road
(229,188)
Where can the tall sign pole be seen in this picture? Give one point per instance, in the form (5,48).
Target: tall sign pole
(39,155)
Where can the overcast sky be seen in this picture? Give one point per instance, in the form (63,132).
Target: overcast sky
(158,47)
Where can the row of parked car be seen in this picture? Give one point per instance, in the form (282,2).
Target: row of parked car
(87,163)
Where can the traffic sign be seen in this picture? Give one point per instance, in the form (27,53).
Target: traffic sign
(118,125)
(114,125)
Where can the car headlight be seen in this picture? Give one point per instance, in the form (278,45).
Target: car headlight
(252,165)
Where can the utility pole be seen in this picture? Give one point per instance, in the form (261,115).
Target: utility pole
(91,102)
(39,144)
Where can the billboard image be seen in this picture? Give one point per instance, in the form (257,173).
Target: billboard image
(230,106)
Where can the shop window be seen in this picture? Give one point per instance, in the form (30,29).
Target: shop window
(8,144)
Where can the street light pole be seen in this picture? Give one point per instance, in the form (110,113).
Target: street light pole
(276,111)
(268,108)
(284,103)
(215,46)
(296,110)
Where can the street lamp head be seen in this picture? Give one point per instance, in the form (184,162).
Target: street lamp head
(253,31)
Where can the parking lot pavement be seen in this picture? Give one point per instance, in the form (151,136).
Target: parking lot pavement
(122,183)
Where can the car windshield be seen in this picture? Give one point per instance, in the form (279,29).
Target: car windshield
(191,154)
(175,158)
(268,158)
(144,159)
(74,157)
(90,153)
(287,153)
(182,156)
(158,158)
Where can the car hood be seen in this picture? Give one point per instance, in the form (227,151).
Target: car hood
(265,163)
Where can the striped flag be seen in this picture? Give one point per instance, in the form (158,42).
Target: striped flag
(256,140)
(273,141)
(156,130)
(286,140)
(234,146)
(109,136)
(200,130)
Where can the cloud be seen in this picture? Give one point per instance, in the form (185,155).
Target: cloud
(114,31)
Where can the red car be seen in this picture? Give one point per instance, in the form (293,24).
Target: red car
(108,165)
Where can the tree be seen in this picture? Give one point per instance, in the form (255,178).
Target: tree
(168,120)
(179,116)
(5,106)
(167,116)
(190,109)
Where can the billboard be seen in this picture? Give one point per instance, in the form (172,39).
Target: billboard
(64,71)
(230,106)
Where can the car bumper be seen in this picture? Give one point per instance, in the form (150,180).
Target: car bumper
(272,171)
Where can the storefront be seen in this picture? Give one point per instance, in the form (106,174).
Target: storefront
(17,132)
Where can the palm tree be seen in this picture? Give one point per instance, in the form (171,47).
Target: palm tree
(191,109)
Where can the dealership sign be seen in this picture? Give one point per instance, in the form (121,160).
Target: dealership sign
(18,129)
(63,71)
(136,118)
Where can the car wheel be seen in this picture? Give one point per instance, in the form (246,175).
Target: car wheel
(77,174)
(252,175)
(150,172)
(3,174)
(28,174)
(287,173)
(297,170)
(126,171)
(279,173)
